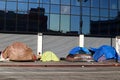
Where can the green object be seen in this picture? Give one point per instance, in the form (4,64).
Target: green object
(49,56)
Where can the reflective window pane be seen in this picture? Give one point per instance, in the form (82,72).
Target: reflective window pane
(22,22)
(113,13)
(75,10)
(65,9)
(86,11)
(47,8)
(31,5)
(65,2)
(103,3)
(86,25)
(54,22)
(36,1)
(55,1)
(75,2)
(104,12)
(2,5)
(94,19)
(86,3)
(65,23)
(22,0)
(10,0)
(94,12)
(113,4)
(45,1)
(75,23)
(119,5)
(95,3)
(11,8)
(22,7)
(55,9)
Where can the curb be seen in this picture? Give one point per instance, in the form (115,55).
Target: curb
(60,65)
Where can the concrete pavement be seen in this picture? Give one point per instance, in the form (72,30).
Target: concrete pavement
(59,73)
(59,70)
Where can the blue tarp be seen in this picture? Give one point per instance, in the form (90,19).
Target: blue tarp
(108,51)
(76,50)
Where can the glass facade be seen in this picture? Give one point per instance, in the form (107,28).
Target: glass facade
(99,17)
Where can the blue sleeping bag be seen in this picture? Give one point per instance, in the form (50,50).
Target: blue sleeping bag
(108,51)
(76,50)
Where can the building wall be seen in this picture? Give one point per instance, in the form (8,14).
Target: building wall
(60,45)
(99,17)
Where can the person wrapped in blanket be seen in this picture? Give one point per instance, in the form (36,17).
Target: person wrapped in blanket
(79,54)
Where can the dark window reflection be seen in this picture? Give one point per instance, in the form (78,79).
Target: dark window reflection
(34,21)
(2,20)
(10,21)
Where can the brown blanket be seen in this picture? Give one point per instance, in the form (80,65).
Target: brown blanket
(18,51)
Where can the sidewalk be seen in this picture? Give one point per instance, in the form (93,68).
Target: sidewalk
(59,64)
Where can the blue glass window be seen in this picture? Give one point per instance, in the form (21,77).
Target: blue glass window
(86,3)
(103,3)
(65,2)
(75,2)
(36,1)
(113,13)
(31,5)
(95,3)
(11,0)
(22,7)
(47,9)
(55,9)
(75,10)
(95,19)
(104,12)
(104,18)
(55,1)
(65,23)
(22,0)
(54,22)
(11,8)
(94,12)
(113,4)
(46,1)
(86,25)
(75,23)
(86,11)
(2,5)
(65,9)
